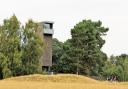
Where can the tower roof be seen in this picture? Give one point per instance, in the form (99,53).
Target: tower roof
(51,22)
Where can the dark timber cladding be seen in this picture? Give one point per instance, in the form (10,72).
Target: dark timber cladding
(45,30)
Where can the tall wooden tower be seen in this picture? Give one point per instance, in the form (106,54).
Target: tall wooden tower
(46,32)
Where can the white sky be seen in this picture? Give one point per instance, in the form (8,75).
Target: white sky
(66,13)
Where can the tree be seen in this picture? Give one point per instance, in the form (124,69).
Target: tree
(122,61)
(65,61)
(4,70)
(82,53)
(87,42)
(62,54)
(10,47)
(117,66)
(31,48)
(56,54)
(20,48)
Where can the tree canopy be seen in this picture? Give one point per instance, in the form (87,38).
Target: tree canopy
(20,48)
(117,66)
(82,53)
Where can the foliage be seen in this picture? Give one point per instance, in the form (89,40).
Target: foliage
(87,42)
(117,66)
(56,54)
(31,49)
(82,53)
(18,45)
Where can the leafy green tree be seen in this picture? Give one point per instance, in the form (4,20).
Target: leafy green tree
(10,46)
(82,53)
(4,70)
(62,54)
(20,48)
(87,42)
(110,69)
(31,48)
(65,61)
(56,54)
(117,66)
(122,61)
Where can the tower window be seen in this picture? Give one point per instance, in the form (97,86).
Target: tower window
(48,26)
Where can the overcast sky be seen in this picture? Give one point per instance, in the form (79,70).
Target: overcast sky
(66,13)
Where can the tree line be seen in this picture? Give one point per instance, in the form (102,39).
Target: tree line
(21,49)
(82,54)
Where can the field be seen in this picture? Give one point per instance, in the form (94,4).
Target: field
(61,81)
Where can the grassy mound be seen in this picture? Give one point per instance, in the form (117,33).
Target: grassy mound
(60,81)
(55,78)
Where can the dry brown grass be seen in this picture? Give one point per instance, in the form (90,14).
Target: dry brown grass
(61,81)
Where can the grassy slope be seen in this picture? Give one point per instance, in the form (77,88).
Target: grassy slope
(58,82)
